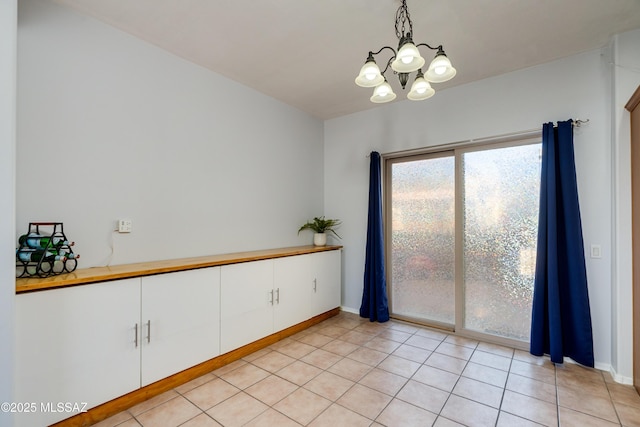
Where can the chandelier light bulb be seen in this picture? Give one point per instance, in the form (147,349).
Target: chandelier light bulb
(440,69)
(371,71)
(369,75)
(408,59)
(407,52)
(421,89)
(383,93)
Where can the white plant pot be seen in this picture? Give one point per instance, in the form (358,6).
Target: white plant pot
(319,239)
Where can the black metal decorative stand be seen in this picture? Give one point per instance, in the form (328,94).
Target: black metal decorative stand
(45,251)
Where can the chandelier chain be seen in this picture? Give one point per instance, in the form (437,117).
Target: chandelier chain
(402,17)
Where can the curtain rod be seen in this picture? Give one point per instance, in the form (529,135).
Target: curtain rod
(530,133)
(526,133)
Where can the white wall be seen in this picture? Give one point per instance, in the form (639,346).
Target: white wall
(625,63)
(111,127)
(576,87)
(8,23)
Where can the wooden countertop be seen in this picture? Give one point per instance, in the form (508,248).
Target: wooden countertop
(123,271)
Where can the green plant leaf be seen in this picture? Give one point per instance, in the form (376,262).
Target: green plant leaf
(322,225)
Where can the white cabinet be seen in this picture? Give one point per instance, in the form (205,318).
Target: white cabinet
(259,298)
(180,321)
(294,291)
(263,297)
(76,345)
(96,342)
(307,285)
(247,297)
(327,277)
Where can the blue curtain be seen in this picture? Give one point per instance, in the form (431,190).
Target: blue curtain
(374,296)
(561,318)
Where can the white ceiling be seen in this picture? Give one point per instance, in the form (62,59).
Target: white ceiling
(308,53)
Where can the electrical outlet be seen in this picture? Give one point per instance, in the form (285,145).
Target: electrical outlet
(125,226)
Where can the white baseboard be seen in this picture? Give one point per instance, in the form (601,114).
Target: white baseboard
(605,367)
(350,310)
(617,377)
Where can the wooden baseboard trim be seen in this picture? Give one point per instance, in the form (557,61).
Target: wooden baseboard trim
(129,400)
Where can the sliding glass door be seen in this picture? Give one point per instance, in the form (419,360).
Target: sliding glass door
(461,237)
(500,198)
(423,238)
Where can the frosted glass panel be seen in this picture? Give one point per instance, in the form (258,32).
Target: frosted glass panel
(501,196)
(422,248)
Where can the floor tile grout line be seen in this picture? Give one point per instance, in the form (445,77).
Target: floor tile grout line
(334,402)
(454,386)
(615,408)
(307,382)
(466,364)
(504,391)
(363,385)
(261,413)
(555,378)
(559,405)
(395,396)
(190,419)
(509,372)
(459,376)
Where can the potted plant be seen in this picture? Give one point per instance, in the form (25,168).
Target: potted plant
(321,227)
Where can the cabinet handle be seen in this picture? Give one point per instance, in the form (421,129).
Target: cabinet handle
(315,285)
(136,337)
(148,331)
(278,296)
(271,293)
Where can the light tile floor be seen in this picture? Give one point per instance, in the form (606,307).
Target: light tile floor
(350,372)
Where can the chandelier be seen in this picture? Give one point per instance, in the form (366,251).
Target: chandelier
(404,62)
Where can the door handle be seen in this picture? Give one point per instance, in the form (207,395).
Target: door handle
(271,293)
(136,335)
(148,331)
(278,296)
(315,285)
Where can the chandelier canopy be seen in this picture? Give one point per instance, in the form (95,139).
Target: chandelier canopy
(403,62)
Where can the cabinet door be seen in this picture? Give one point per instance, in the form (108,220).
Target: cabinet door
(246,313)
(327,275)
(180,321)
(76,344)
(293,291)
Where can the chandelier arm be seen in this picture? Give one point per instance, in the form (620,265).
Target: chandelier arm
(383,48)
(432,48)
(388,64)
(390,59)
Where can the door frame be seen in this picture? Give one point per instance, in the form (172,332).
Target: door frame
(634,111)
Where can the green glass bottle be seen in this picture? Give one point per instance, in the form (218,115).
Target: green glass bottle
(36,255)
(69,255)
(37,241)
